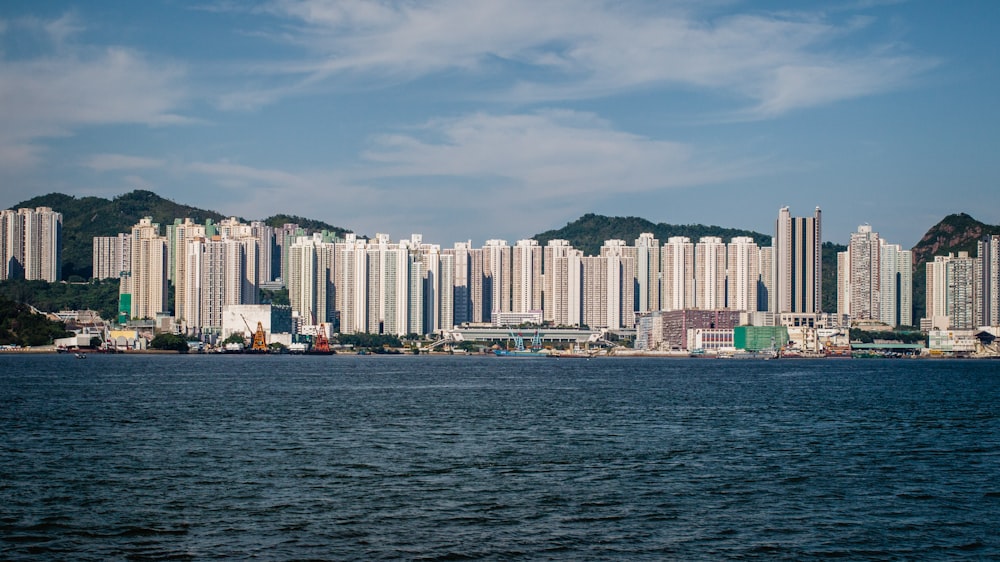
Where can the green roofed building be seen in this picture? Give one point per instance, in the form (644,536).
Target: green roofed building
(759,338)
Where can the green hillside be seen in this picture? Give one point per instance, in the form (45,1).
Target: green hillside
(589,232)
(19,325)
(955,233)
(87,217)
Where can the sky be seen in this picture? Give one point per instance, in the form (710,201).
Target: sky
(490,119)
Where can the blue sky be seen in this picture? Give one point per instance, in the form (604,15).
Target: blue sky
(475,120)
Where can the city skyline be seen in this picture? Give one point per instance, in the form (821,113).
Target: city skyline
(503,120)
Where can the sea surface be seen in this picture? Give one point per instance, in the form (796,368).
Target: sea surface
(453,458)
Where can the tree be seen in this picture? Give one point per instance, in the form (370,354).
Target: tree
(173,342)
(235,337)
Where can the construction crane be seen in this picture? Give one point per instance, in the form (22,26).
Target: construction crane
(258,343)
(321,345)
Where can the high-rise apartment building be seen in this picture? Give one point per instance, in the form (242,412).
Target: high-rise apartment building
(954,292)
(112,256)
(765,285)
(989,255)
(875,280)
(526,276)
(647,273)
(311,271)
(219,272)
(742,274)
(677,261)
(496,272)
(897,285)
(798,263)
(462,296)
(554,279)
(180,234)
(621,282)
(31,244)
(710,273)
(351,285)
(145,289)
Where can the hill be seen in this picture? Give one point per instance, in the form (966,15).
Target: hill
(87,217)
(19,325)
(955,233)
(589,232)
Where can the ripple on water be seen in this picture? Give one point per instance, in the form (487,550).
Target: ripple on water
(434,458)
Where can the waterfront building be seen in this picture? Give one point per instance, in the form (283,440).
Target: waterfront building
(798,262)
(668,330)
(710,273)
(677,260)
(31,244)
(742,274)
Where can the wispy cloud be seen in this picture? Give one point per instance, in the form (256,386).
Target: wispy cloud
(769,63)
(113,162)
(549,154)
(56,92)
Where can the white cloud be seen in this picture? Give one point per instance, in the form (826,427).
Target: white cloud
(547,155)
(109,162)
(56,94)
(595,48)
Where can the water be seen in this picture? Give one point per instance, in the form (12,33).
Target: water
(446,458)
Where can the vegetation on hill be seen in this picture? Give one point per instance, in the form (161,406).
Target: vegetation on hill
(829,275)
(955,233)
(101,296)
(19,325)
(280,220)
(87,217)
(589,232)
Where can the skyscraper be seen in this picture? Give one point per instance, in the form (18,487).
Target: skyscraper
(526,276)
(647,273)
(897,285)
(710,273)
(989,255)
(742,274)
(31,244)
(677,261)
(496,271)
(112,256)
(798,263)
(147,283)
